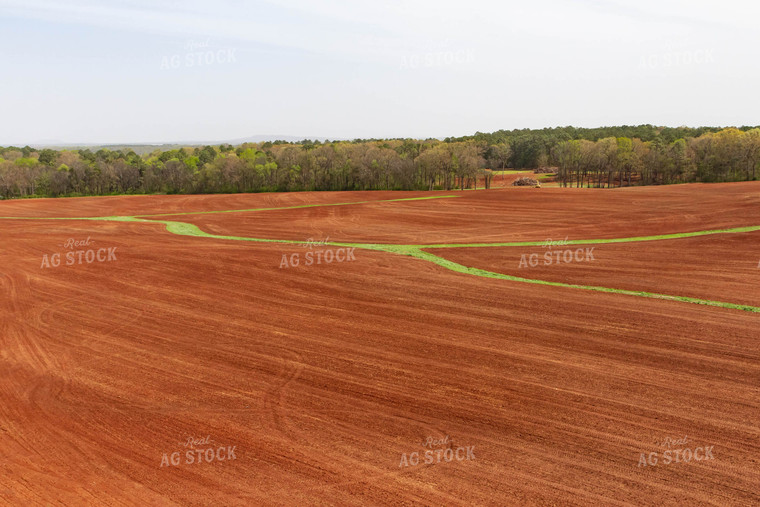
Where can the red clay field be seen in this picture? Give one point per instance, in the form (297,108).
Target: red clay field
(383,348)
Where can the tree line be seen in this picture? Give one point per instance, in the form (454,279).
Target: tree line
(726,155)
(609,156)
(251,167)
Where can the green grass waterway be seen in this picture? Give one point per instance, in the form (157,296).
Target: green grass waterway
(416,251)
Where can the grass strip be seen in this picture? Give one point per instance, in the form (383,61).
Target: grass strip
(490,274)
(186,229)
(601,241)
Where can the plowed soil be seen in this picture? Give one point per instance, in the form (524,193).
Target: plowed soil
(319,382)
(474,216)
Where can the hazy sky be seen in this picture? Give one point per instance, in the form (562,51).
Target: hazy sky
(159,71)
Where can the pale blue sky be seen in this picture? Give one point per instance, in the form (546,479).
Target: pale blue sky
(108,72)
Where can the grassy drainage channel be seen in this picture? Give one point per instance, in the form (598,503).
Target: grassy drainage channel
(418,251)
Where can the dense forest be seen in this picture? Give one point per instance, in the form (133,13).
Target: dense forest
(600,157)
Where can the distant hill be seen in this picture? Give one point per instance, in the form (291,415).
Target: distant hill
(143,148)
